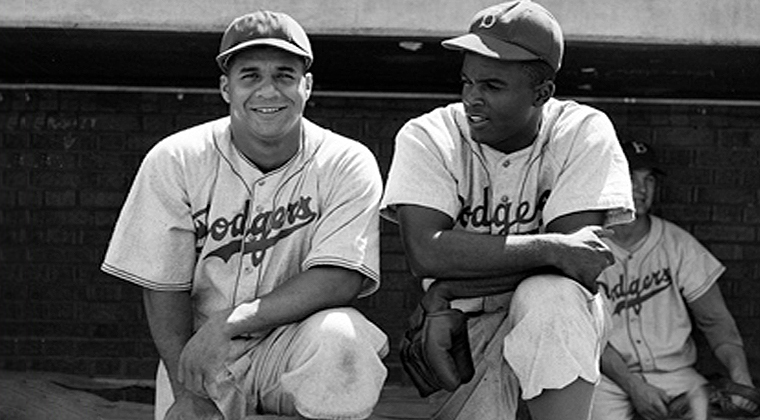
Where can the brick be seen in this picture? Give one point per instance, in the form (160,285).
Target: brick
(727,251)
(725,195)
(142,142)
(8,199)
(109,161)
(677,194)
(96,237)
(163,124)
(733,233)
(112,142)
(60,198)
(8,346)
(712,157)
(58,347)
(685,136)
(752,214)
(746,138)
(55,180)
(111,122)
(727,214)
(30,160)
(60,161)
(15,141)
(101,199)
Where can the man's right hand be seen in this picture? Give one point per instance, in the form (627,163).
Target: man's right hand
(649,401)
(583,255)
(188,406)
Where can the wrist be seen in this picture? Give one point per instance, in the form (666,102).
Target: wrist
(436,298)
(549,246)
(239,320)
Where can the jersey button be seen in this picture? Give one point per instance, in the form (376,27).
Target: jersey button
(259,209)
(261,183)
(505,164)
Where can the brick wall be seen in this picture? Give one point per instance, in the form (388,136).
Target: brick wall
(67,159)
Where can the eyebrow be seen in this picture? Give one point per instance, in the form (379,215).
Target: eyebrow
(283,68)
(485,80)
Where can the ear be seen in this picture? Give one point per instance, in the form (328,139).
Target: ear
(544,91)
(224,87)
(308,81)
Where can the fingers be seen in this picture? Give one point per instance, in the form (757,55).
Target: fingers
(191,378)
(603,232)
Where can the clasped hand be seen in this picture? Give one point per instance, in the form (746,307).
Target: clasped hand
(205,353)
(584,256)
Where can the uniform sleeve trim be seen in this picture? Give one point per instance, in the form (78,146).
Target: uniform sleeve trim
(372,277)
(140,281)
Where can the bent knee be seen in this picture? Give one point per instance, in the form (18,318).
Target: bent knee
(551,298)
(550,289)
(343,327)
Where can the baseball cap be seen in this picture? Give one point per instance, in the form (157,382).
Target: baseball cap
(259,28)
(640,155)
(515,30)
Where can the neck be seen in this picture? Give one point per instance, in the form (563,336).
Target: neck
(268,154)
(628,235)
(522,138)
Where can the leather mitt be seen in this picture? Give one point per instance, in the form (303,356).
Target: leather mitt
(435,350)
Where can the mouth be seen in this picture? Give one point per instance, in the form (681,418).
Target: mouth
(268,110)
(476,120)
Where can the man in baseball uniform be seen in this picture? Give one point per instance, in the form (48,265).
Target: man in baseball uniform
(508,191)
(661,273)
(251,234)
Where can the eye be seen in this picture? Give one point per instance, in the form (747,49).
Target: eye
(286,77)
(249,76)
(492,86)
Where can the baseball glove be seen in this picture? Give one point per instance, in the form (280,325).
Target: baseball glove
(721,405)
(435,350)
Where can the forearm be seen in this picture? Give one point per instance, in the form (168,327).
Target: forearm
(304,294)
(613,365)
(436,250)
(460,254)
(442,291)
(171,325)
(716,323)
(735,361)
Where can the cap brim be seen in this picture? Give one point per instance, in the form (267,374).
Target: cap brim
(222,58)
(489,47)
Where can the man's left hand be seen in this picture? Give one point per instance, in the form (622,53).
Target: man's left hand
(205,353)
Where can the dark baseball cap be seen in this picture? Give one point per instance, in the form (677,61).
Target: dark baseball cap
(641,155)
(261,28)
(514,31)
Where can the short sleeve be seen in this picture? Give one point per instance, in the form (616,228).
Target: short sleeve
(698,268)
(153,244)
(418,174)
(348,233)
(592,170)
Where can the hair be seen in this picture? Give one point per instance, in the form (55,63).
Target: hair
(538,71)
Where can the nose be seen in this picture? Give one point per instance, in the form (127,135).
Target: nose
(267,89)
(471,95)
(638,186)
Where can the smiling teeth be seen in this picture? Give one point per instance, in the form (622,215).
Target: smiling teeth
(268,110)
(475,118)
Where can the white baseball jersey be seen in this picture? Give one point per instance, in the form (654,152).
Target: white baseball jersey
(201,217)
(649,290)
(575,164)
